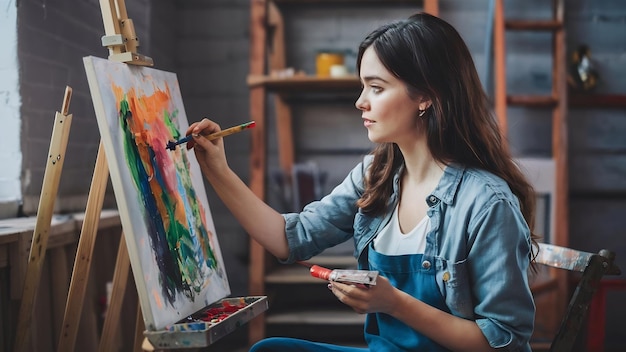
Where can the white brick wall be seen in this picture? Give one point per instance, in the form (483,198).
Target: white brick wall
(10,153)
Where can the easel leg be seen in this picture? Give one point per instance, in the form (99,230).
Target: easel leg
(139,328)
(82,263)
(120,278)
(60,278)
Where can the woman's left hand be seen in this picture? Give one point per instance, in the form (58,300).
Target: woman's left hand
(377,298)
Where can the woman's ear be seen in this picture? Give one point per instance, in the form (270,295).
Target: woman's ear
(425,104)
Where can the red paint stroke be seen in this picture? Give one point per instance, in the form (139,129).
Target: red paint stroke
(217,314)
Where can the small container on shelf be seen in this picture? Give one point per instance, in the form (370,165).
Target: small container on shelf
(327,58)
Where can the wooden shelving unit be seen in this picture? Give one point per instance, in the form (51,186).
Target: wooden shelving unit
(267,26)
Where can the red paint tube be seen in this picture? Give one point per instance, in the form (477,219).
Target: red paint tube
(363,277)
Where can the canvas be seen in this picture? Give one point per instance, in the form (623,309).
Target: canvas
(166,219)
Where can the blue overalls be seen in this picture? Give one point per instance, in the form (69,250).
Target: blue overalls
(409,274)
(383,333)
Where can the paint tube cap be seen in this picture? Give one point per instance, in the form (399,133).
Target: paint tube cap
(320,272)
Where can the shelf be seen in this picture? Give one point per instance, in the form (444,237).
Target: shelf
(298,274)
(531,100)
(305,83)
(527,25)
(619,195)
(382,2)
(334,261)
(598,100)
(317,317)
(577,100)
(291,275)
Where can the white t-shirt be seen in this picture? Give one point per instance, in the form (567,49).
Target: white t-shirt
(391,241)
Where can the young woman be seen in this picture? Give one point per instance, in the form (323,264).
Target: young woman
(440,209)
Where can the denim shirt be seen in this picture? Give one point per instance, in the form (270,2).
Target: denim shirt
(479,243)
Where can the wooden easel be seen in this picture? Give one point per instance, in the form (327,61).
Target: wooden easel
(39,243)
(122,43)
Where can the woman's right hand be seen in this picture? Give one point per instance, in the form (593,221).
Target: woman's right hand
(259,220)
(210,154)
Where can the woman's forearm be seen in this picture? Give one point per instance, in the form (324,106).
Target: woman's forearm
(262,223)
(452,332)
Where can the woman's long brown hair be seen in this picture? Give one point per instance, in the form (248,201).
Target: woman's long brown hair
(431,58)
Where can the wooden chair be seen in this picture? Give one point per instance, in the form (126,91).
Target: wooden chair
(593,267)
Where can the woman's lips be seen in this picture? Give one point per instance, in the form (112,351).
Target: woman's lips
(368,122)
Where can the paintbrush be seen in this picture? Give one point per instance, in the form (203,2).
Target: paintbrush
(171,145)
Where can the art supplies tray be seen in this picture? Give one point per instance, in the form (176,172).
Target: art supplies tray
(208,325)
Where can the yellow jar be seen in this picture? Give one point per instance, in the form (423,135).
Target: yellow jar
(326,59)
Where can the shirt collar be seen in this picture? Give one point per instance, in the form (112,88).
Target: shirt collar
(449,183)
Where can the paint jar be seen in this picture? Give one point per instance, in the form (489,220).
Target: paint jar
(325,59)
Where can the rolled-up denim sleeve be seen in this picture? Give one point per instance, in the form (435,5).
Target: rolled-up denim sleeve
(500,257)
(325,223)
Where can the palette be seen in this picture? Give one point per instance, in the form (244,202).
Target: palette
(208,325)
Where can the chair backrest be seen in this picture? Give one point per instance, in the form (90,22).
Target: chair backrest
(593,267)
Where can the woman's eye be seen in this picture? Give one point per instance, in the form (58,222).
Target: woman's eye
(376,89)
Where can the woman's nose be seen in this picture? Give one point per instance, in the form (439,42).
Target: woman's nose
(360,103)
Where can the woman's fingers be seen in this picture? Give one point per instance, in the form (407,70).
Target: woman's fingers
(203,127)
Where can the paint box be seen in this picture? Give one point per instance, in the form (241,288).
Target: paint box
(193,332)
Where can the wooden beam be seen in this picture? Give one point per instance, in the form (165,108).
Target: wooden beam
(559,144)
(277,62)
(258,52)
(500,67)
(431,7)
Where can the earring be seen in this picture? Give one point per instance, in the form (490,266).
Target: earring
(422,112)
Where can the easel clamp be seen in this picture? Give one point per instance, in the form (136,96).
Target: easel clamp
(120,37)
(112,40)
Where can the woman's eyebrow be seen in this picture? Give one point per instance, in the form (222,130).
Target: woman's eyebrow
(372,78)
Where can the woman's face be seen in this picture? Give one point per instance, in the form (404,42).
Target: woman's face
(389,113)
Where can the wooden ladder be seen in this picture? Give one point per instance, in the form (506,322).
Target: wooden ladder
(557,102)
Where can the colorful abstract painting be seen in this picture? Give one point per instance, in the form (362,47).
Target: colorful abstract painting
(166,219)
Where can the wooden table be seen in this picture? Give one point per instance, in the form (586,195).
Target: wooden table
(15,242)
